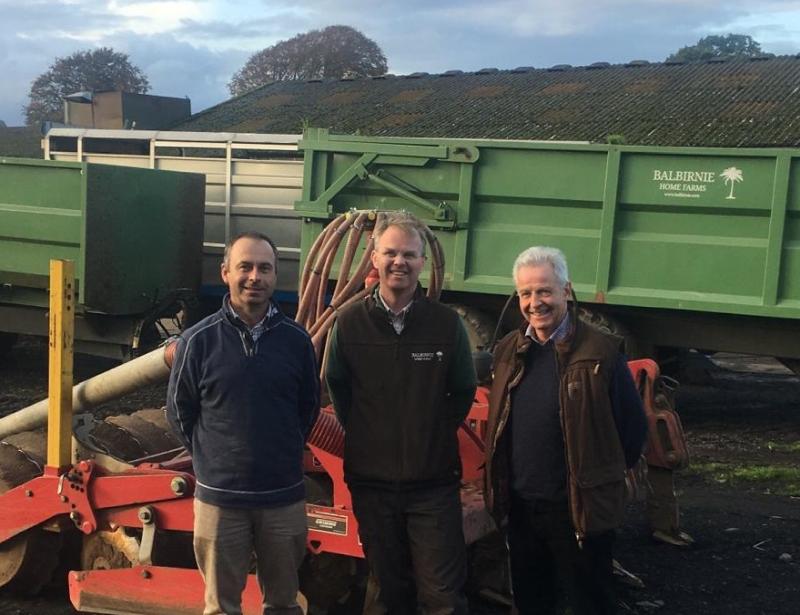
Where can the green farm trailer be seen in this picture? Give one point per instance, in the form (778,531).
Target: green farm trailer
(135,236)
(673,247)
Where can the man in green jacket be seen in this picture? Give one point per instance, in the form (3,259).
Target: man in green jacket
(565,421)
(401,379)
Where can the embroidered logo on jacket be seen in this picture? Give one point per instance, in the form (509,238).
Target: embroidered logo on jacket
(427,356)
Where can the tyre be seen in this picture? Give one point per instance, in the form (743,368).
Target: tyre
(608,324)
(480,328)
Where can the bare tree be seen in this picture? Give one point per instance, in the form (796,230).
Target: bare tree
(331,53)
(92,70)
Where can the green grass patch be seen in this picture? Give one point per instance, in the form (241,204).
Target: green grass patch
(781,480)
(784,447)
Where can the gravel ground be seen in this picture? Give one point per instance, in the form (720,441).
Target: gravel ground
(746,559)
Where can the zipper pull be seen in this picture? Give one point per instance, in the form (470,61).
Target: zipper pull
(248,343)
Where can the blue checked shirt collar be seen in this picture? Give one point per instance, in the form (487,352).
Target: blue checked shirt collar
(258,329)
(558,335)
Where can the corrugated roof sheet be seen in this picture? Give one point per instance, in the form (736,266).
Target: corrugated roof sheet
(21,141)
(731,103)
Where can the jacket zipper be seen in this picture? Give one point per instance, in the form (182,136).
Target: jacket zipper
(578,534)
(501,424)
(247,343)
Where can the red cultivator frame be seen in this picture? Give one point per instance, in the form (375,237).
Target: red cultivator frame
(158,496)
(151,498)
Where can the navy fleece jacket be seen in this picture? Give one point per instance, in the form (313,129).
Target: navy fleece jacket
(244,409)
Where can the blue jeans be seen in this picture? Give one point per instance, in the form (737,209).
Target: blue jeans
(414,543)
(224,541)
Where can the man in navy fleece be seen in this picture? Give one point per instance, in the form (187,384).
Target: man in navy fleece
(243,396)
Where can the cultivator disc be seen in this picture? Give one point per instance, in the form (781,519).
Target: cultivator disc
(28,561)
(129,437)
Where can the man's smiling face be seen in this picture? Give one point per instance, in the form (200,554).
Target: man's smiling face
(399,260)
(542,299)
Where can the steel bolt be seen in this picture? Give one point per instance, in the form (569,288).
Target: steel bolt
(63,498)
(178,485)
(75,516)
(28,493)
(145,515)
(146,574)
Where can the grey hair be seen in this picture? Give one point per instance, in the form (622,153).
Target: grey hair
(542,255)
(403,220)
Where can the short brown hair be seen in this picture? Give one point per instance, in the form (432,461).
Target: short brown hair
(409,223)
(249,235)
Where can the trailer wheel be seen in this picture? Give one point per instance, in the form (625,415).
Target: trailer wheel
(611,325)
(479,326)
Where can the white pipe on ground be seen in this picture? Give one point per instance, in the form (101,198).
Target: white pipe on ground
(149,369)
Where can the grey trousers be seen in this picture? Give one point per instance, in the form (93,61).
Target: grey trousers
(224,541)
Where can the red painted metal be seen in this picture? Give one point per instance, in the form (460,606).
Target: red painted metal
(334,466)
(177,515)
(80,492)
(97,499)
(320,540)
(149,589)
(649,366)
(666,442)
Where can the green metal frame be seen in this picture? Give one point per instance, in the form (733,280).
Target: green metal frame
(704,229)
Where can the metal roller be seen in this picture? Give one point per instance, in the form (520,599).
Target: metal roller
(28,561)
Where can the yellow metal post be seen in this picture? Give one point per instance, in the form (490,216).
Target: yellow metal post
(62,325)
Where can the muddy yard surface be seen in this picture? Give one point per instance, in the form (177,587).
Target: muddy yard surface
(740,499)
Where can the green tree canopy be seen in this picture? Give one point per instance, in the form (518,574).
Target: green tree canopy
(331,53)
(713,46)
(90,70)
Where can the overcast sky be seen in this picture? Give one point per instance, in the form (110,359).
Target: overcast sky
(192,47)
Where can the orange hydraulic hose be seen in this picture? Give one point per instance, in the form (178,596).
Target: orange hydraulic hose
(327,323)
(355,282)
(335,242)
(353,240)
(312,313)
(312,255)
(310,279)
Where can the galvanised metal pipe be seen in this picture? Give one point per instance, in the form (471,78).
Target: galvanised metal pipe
(149,369)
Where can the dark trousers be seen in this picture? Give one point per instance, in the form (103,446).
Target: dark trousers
(414,543)
(548,565)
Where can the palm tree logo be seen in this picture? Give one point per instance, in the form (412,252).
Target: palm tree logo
(732,175)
